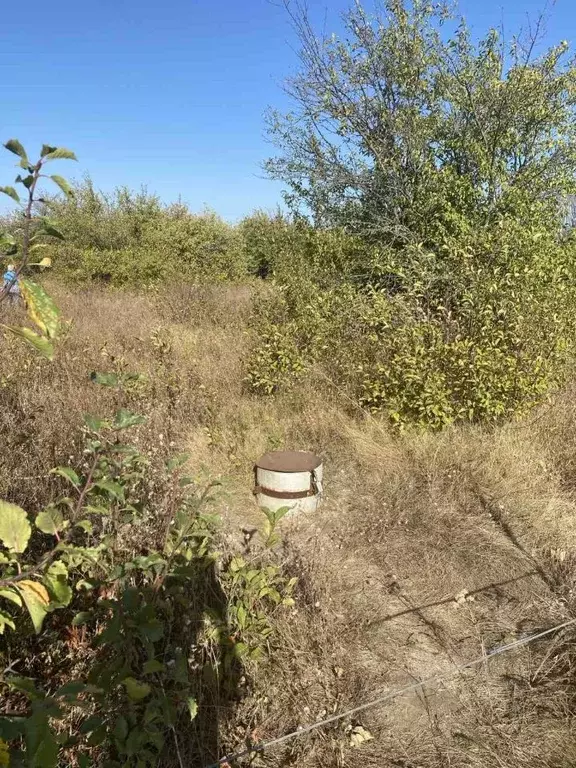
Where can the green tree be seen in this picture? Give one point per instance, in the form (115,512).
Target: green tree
(405,129)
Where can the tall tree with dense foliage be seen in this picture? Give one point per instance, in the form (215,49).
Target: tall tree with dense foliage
(450,161)
(406,129)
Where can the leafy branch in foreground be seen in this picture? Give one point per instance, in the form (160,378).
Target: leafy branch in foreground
(34,231)
(155,619)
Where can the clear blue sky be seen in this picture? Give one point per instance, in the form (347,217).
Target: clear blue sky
(171,93)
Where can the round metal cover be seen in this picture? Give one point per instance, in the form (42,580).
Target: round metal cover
(289,461)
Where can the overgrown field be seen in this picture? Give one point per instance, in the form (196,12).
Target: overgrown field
(411,318)
(428,551)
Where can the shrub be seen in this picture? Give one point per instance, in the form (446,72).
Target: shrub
(131,238)
(481,330)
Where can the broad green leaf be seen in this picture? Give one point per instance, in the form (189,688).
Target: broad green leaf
(11,192)
(46,149)
(11,728)
(85,525)
(81,618)
(114,489)
(69,474)
(59,153)
(105,379)
(25,685)
(40,343)
(242,615)
(41,308)
(13,145)
(192,707)
(136,690)
(63,184)
(11,594)
(37,601)
(50,520)
(27,181)
(92,723)
(240,650)
(152,666)
(94,423)
(177,461)
(56,579)
(125,419)
(120,728)
(6,621)
(15,527)
(98,736)
(41,744)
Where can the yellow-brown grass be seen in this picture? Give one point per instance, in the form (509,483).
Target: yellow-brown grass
(408,525)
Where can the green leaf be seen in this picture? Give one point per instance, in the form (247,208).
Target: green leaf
(94,423)
(58,153)
(240,650)
(63,184)
(136,690)
(27,181)
(125,419)
(11,192)
(11,594)
(242,615)
(81,618)
(11,728)
(120,728)
(98,736)
(6,621)
(41,308)
(37,601)
(41,744)
(105,379)
(85,525)
(192,707)
(177,461)
(46,149)
(114,489)
(15,527)
(50,520)
(68,473)
(56,579)
(152,630)
(92,723)
(13,145)
(40,343)
(153,666)
(25,685)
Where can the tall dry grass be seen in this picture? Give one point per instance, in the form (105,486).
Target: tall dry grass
(427,551)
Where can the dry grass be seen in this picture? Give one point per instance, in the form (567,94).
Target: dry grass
(407,524)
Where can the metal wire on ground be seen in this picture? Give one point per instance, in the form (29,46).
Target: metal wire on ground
(302,731)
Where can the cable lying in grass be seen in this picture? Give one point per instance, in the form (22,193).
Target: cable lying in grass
(388,696)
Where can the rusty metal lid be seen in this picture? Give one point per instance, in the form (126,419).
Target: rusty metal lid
(289,461)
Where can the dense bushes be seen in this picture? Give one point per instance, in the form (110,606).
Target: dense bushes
(448,160)
(478,331)
(129,238)
(478,325)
